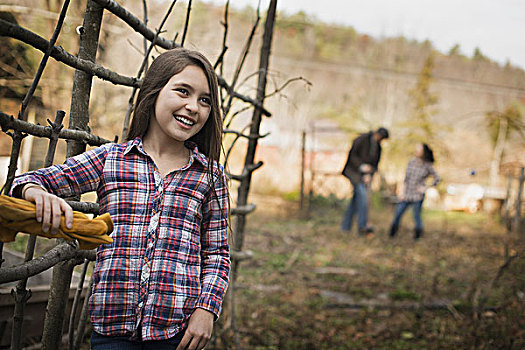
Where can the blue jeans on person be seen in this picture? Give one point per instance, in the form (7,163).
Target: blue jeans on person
(416,209)
(104,342)
(358,205)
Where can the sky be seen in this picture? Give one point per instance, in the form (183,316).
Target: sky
(495,26)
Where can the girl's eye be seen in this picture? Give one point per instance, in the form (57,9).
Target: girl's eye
(182,91)
(206,100)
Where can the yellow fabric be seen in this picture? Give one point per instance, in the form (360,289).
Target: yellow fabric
(19,215)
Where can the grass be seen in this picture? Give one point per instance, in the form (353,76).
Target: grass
(456,261)
(283,301)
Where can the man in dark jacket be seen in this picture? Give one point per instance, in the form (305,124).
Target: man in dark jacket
(361,165)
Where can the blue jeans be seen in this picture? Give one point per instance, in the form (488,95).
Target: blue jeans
(104,342)
(359,205)
(403,206)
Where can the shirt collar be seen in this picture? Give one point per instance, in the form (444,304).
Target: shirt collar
(135,143)
(195,154)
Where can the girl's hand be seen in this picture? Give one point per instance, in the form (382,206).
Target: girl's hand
(49,208)
(199,330)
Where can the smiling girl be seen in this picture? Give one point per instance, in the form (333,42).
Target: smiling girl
(161,283)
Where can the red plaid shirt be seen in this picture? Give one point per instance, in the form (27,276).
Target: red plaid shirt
(169,254)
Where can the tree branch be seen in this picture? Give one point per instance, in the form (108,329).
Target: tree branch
(43,62)
(240,134)
(241,210)
(58,53)
(232,145)
(9,122)
(59,253)
(286,83)
(145,41)
(240,64)
(61,55)
(186,24)
(246,172)
(241,97)
(135,23)
(502,269)
(143,67)
(236,113)
(241,255)
(85,207)
(220,60)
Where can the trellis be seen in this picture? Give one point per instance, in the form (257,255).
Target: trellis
(65,256)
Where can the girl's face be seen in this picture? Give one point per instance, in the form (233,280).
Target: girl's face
(182,106)
(419,150)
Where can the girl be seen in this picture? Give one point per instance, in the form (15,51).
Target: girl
(161,283)
(418,169)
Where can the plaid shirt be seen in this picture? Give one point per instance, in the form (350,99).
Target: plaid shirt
(417,172)
(169,254)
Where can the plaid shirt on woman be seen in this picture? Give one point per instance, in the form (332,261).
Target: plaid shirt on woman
(417,171)
(169,254)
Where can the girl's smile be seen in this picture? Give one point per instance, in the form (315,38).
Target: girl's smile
(184,121)
(182,107)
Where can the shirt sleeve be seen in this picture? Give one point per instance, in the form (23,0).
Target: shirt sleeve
(215,252)
(434,175)
(408,173)
(77,175)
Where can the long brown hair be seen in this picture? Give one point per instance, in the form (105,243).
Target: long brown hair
(166,65)
(428,155)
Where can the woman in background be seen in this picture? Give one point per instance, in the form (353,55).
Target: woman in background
(418,169)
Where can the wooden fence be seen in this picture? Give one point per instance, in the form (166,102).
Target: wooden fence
(65,256)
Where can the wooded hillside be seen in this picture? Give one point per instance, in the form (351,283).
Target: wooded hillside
(357,82)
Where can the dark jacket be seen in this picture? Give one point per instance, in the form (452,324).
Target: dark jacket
(365,150)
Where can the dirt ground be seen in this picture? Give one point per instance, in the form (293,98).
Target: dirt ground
(310,286)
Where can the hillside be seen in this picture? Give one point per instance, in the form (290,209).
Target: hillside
(357,82)
(360,82)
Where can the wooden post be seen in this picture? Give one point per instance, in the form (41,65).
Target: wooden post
(517,216)
(264,62)
(303,155)
(21,294)
(506,216)
(84,315)
(312,170)
(74,307)
(244,187)
(79,118)
(506,204)
(82,81)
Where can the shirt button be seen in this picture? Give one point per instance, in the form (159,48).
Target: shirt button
(141,304)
